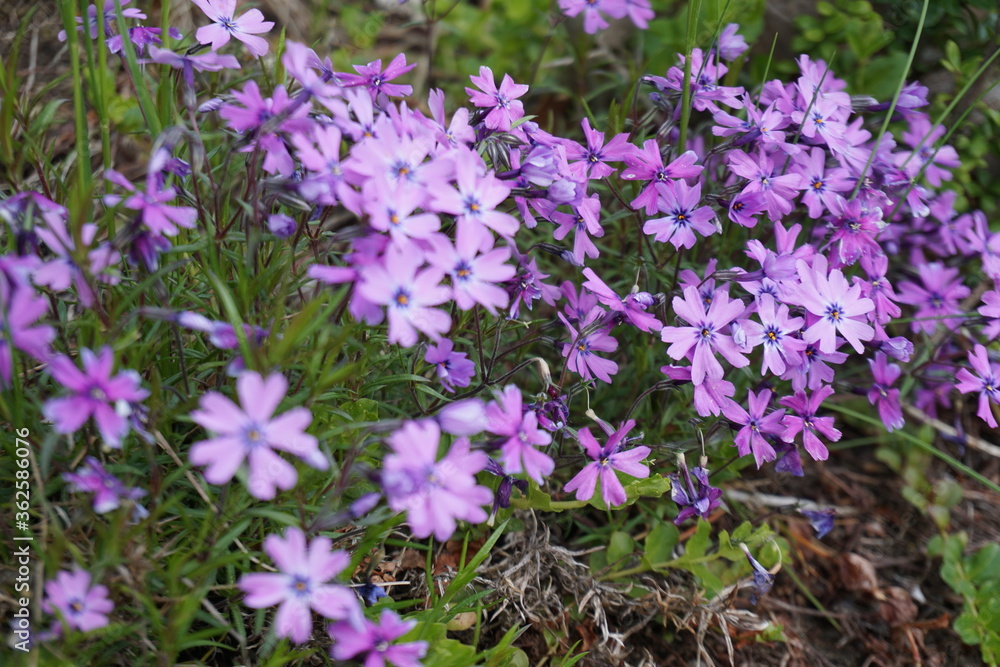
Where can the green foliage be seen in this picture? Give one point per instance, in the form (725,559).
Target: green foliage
(976,577)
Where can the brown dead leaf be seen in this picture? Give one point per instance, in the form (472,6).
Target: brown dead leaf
(858,574)
(897,608)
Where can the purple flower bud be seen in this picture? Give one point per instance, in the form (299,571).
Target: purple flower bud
(762,579)
(371,593)
(821,520)
(281,225)
(540,166)
(692,492)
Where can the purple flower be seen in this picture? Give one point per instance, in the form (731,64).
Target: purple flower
(606,460)
(501,499)
(704,334)
(684,216)
(108,490)
(453,368)
(855,228)
(882,394)
(204,62)
(142,37)
(694,497)
(632,308)
(250,432)
(433,493)
(731,44)
(778,190)
(806,421)
(839,307)
(774,332)
(527,286)
(302,585)
(762,579)
(477,196)
(225,25)
(937,165)
(518,452)
(991,311)
(152,206)
(592,337)
(465,417)
(594,158)
(474,276)
(374,641)
(94,394)
(755,424)
(585,220)
(937,298)
(376,80)
(109,18)
(502,102)
(80,605)
(409,294)
(647,165)
(20,309)
(987,383)
(281,225)
(820,520)
(593,20)
(820,184)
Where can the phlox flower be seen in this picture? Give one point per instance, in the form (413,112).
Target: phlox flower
(878,288)
(453,368)
(774,332)
(632,307)
(855,228)
(820,184)
(606,460)
(109,18)
(821,520)
(20,310)
(409,294)
(646,164)
(937,164)
(684,216)
(188,64)
(591,161)
(812,372)
(694,497)
(528,285)
(474,276)
(151,206)
(704,333)
(250,432)
(755,424)
(82,606)
(95,393)
(502,102)
(991,311)
(142,38)
(465,417)
(593,10)
(518,451)
(458,131)
(731,44)
(840,308)
(804,420)
(376,80)
(777,189)
(108,490)
(303,584)
(478,195)
(585,220)
(433,493)
(882,394)
(986,383)
(253,112)
(392,207)
(374,641)
(225,24)
(592,337)
(63,270)
(938,297)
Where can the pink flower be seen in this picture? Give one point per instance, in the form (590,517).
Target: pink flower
(593,20)
(81,605)
(518,452)
(883,394)
(302,585)
(474,276)
(375,642)
(606,460)
(376,80)
(987,384)
(453,368)
(433,493)
(755,424)
(839,307)
(704,333)
(20,309)
(94,394)
(774,332)
(592,337)
(250,432)
(151,205)
(226,25)
(806,421)
(503,104)
(684,216)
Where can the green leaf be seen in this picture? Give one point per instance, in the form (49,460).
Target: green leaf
(660,542)
(697,546)
(361,410)
(619,547)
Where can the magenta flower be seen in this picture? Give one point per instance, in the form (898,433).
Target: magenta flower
(502,102)
(731,44)
(632,307)
(704,334)
(806,421)
(81,606)
(108,490)
(821,184)
(109,18)
(20,309)
(684,216)
(592,337)
(755,424)
(374,642)
(225,25)
(694,497)
(477,196)
(882,394)
(434,494)
(841,308)
(593,19)
(606,460)
(585,220)
(94,394)
(774,332)
(518,452)
(391,207)
(255,113)
(409,294)
(778,190)
(250,432)
(991,311)
(592,160)
(151,205)
(453,368)
(203,62)
(646,164)
(302,585)
(987,384)
(376,80)
(474,277)
(855,228)
(938,297)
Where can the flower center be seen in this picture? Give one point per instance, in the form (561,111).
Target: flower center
(76,606)
(402,298)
